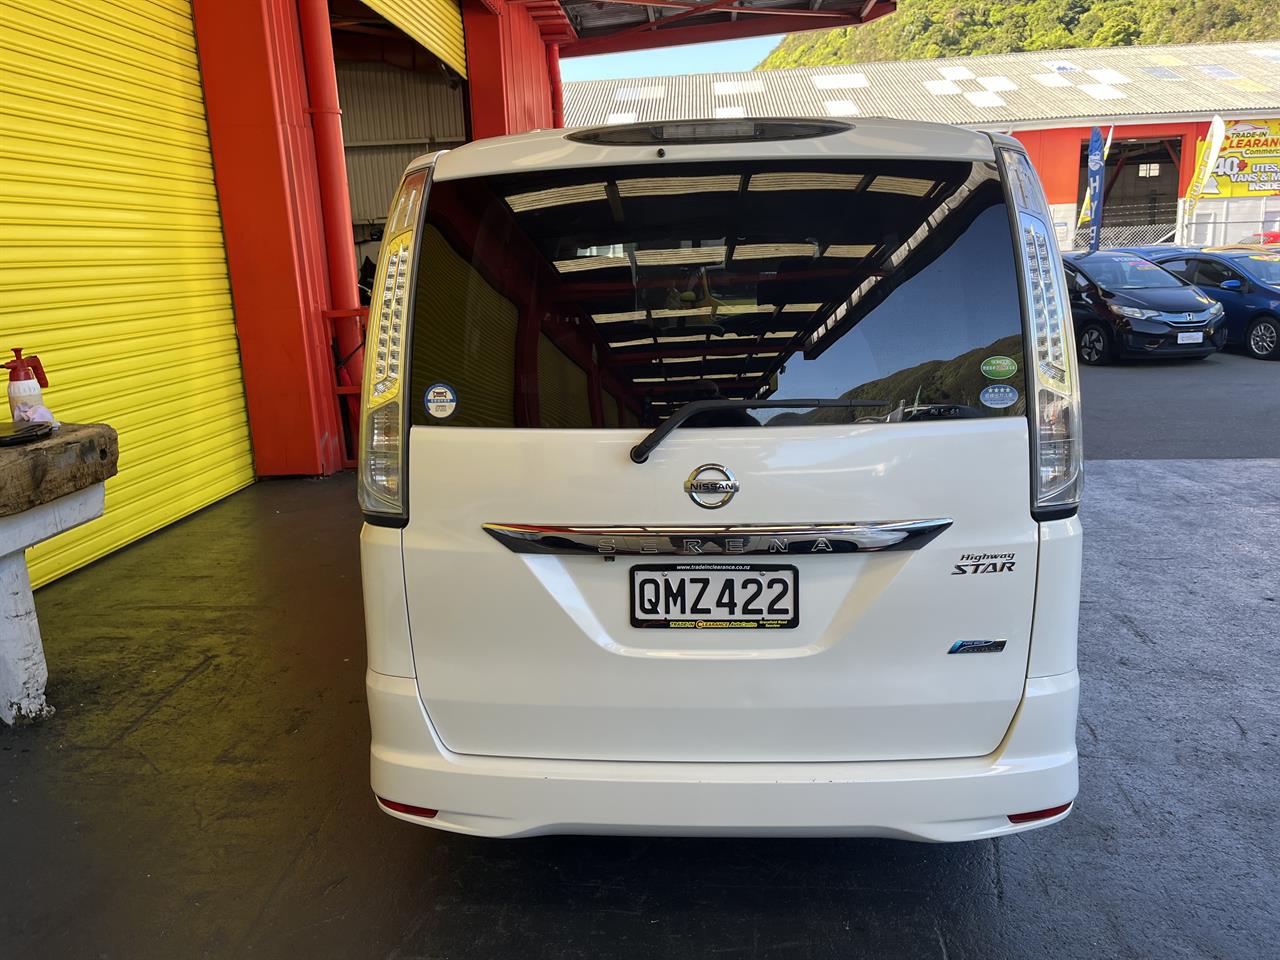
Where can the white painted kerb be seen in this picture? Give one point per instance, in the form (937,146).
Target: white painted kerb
(23,672)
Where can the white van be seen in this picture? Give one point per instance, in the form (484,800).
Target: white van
(721,478)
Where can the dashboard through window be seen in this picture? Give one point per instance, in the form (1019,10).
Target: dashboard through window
(1125,272)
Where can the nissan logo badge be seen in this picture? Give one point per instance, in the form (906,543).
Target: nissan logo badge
(711,485)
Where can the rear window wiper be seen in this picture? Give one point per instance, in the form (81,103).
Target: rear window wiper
(640,452)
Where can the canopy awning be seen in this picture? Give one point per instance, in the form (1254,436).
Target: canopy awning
(610,26)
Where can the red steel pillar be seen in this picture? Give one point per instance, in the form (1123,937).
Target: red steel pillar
(335,202)
(264,160)
(557,87)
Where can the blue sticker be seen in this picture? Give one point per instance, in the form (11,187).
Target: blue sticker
(998,396)
(440,400)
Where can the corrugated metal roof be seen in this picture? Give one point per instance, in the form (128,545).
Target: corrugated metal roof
(998,91)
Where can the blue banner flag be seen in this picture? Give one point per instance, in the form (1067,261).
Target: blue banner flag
(1097,163)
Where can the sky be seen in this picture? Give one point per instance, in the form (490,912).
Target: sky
(725,56)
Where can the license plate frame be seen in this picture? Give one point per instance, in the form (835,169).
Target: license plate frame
(1191,336)
(718,572)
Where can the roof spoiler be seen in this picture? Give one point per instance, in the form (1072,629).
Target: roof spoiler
(707,131)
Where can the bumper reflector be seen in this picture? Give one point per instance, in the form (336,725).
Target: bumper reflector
(425,812)
(1034,814)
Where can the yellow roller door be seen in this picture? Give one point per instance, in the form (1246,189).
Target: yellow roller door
(112,266)
(465,336)
(436,24)
(562,388)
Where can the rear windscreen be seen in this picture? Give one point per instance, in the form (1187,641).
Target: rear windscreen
(607,297)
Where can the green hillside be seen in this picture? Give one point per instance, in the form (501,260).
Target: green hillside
(950,28)
(958,380)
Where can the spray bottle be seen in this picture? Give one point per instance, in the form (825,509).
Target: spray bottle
(26,378)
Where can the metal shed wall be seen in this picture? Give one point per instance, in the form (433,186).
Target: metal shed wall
(389,116)
(112,264)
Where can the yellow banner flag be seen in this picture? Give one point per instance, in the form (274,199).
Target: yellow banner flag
(1205,164)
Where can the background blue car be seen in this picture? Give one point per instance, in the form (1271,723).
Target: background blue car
(1245,280)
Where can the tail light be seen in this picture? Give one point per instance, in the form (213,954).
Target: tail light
(1053,386)
(382,401)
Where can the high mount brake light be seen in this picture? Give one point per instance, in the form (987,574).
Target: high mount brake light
(707,131)
(382,409)
(1053,387)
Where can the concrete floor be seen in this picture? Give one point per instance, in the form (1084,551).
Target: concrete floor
(202,790)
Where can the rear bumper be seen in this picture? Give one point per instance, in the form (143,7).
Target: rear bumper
(1034,768)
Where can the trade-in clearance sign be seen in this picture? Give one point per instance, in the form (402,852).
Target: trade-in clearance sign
(1248,164)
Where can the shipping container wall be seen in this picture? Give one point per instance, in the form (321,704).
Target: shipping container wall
(112,263)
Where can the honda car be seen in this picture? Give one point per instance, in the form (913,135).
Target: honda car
(721,478)
(1126,306)
(1246,282)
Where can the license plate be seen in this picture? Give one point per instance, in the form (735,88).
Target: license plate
(1191,338)
(711,596)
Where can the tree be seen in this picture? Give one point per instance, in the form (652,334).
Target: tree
(924,29)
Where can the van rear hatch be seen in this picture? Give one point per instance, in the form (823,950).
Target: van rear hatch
(812,582)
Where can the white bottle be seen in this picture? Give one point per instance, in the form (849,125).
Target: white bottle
(26,378)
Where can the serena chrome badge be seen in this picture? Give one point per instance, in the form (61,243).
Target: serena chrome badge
(706,540)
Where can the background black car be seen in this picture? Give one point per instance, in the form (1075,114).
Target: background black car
(1126,306)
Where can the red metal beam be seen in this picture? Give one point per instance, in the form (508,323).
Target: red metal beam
(678,4)
(553,23)
(695,11)
(783,12)
(1115,175)
(557,87)
(335,202)
(875,9)
(264,157)
(687,5)
(700,33)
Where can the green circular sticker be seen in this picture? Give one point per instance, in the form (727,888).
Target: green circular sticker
(999,368)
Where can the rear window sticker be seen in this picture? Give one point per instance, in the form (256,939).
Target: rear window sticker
(998,396)
(999,368)
(441,400)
